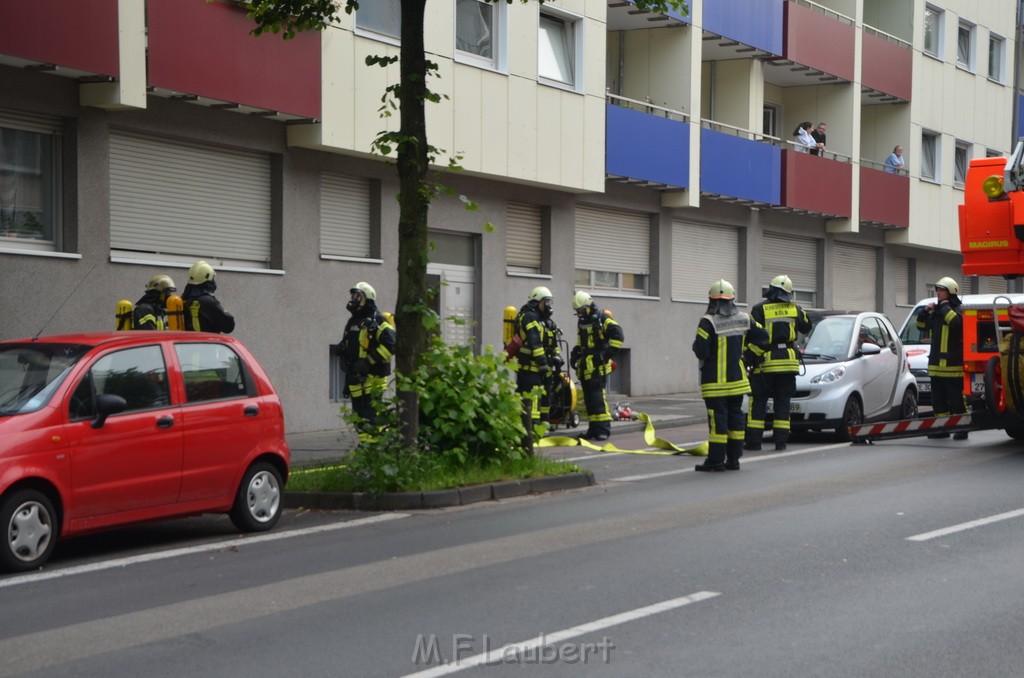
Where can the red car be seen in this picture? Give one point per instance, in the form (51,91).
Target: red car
(106,429)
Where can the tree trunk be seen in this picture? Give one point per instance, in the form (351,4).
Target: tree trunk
(414,203)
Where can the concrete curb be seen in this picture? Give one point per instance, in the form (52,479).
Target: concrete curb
(409,501)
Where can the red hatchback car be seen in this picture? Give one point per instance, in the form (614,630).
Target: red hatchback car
(101,430)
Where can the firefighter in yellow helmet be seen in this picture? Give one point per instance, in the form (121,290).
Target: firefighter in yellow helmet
(539,356)
(723,335)
(774,377)
(944,320)
(599,338)
(203,313)
(151,309)
(367,345)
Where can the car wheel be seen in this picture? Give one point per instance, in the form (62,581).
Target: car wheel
(30,530)
(908,408)
(1017,432)
(574,419)
(853,414)
(258,501)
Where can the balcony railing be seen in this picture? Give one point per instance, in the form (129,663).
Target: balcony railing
(888,37)
(647,107)
(825,10)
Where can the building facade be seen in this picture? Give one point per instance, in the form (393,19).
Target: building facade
(634,155)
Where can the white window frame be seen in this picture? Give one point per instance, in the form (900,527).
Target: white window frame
(964,59)
(961,160)
(996,61)
(41,126)
(572,25)
(499,31)
(937,16)
(379,32)
(934,173)
(771,114)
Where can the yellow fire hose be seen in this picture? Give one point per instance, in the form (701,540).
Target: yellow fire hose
(663,447)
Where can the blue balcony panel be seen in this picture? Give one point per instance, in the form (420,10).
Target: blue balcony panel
(647,147)
(757,23)
(740,168)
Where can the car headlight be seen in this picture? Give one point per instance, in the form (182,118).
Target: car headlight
(835,374)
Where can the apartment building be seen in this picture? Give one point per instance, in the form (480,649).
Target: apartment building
(635,155)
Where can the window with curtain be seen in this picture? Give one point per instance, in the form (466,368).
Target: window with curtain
(475,30)
(965,45)
(29,181)
(932,30)
(929,156)
(556,59)
(381,16)
(995,57)
(961,156)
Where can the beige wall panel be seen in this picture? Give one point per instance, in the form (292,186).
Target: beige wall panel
(574,139)
(522,139)
(441,116)
(958,110)
(370,83)
(669,68)
(469,117)
(593,144)
(636,71)
(732,91)
(549,134)
(495,122)
(439,29)
(593,58)
(337,89)
(705,89)
(522,39)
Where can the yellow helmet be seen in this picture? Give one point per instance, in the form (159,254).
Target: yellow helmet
(160,283)
(540,294)
(200,273)
(366,289)
(581,300)
(722,289)
(948,284)
(783,283)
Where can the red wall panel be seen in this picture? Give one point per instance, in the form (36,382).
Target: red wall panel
(206,49)
(884,197)
(886,67)
(81,35)
(813,39)
(816,184)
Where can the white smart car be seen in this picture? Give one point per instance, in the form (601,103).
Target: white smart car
(854,371)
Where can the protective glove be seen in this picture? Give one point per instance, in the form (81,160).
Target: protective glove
(557,362)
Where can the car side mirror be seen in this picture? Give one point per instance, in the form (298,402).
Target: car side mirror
(870,349)
(106,405)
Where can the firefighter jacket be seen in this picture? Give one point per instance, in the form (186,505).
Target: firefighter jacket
(537,337)
(719,346)
(149,312)
(598,339)
(783,320)
(367,344)
(945,322)
(203,313)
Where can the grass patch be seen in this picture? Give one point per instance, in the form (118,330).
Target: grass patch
(344,477)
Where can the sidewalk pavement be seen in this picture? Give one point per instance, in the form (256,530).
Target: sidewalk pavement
(665,411)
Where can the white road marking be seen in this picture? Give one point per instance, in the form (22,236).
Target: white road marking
(925,536)
(745,460)
(189,550)
(550,639)
(595,455)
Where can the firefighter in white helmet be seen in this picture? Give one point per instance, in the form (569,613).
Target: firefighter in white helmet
(944,320)
(539,356)
(723,334)
(774,376)
(151,309)
(203,313)
(367,344)
(598,339)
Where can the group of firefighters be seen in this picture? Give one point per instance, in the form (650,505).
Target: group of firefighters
(160,308)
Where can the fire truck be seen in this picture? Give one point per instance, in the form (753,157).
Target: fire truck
(992,242)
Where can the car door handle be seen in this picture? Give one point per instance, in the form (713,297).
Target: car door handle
(251,410)
(165,422)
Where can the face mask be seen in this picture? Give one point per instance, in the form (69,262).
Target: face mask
(355,304)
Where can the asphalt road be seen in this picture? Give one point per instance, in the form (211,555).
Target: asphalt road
(820,561)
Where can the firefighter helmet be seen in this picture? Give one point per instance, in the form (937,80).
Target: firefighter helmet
(722,289)
(581,300)
(783,283)
(540,294)
(160,283)
(948,284)
(200,273)
(365,289)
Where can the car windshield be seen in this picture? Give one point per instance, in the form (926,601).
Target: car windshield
(911,334)
(830,338)
(30,373)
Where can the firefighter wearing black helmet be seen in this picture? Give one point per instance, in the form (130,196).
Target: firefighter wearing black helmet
(539,355)
(944,320)
(724,334)
(366,347)
(203,313)
(774,377)
(599,338)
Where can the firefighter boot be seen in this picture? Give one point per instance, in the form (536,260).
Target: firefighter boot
(733,452)
(716,459)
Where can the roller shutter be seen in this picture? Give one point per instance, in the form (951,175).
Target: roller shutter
(992,285)
(613,240)
(175,197)
(345,225)
(795,257)
(31,122)
(855,278)
(901,280)
(700,256)
(525,237)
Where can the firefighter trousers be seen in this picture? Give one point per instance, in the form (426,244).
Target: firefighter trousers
(726,431)
(779,388)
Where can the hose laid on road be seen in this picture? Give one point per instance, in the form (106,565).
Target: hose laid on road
(663,447)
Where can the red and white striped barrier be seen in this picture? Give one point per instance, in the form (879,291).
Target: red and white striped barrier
(910,426)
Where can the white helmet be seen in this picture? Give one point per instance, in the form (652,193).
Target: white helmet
(783,283)
(366,290)
(200,273)
(581,300)
(540,294)
(949,285)
(161,282)
(722,289)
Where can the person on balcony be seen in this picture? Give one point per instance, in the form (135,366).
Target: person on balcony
(819,139)
(804,141)
(894,163)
